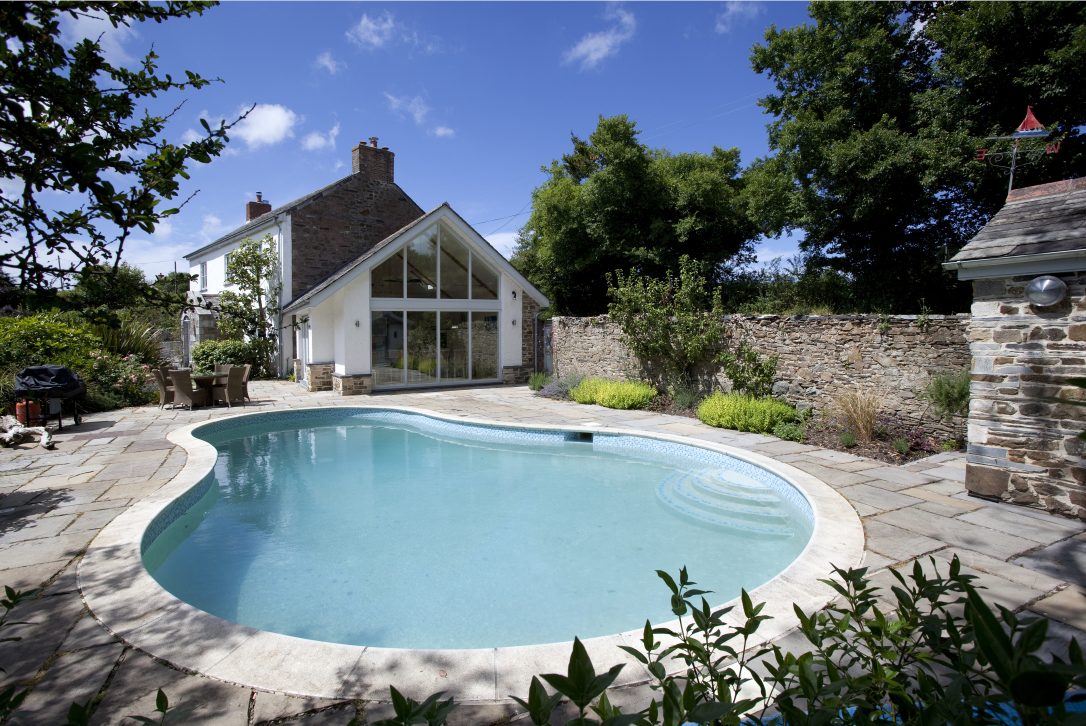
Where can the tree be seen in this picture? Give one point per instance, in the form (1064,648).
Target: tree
(84,162)
(612,203)
(251,312)
(879,110)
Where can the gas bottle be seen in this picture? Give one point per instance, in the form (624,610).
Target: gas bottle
(28,412)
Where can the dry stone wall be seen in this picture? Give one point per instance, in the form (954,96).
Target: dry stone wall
(1023,432)
(819,357)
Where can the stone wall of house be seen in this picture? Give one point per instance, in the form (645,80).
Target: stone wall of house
(531,336)
(819,357)
(1023,435)
(352,385)
(342,224)
(319,376)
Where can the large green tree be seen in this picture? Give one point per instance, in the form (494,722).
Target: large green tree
(614,204)
(879,110)
(251,309)
(84,163)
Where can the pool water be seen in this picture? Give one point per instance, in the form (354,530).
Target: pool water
(389,529)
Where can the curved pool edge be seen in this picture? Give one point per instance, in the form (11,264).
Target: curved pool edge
(127,601)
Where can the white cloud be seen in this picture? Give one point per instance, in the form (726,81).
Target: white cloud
(593,48)
(315,141)
(266,124)
(414,107)
(443,132)
(154,257)
(735,12)
(373,33)
(504,242)
(91,26)
(190,136)
(212,227)
(328,63)
(163,230)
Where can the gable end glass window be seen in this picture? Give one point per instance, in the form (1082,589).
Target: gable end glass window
(436,265)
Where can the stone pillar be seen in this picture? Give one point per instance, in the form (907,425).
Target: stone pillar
(319,376)
(352,385)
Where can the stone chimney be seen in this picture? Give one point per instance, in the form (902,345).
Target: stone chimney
(377,164)
(257,208)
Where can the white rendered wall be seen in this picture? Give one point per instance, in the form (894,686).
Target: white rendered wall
(321,338)
(509,334)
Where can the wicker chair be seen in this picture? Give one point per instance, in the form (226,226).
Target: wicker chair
(245,382)
(183,392)
(165,387)
(232,390)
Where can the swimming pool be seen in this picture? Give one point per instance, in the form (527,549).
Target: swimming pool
(393,529)
(124,598)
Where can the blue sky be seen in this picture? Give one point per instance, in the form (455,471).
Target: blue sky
(473,98)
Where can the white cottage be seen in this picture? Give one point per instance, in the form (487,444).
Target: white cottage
(377,295)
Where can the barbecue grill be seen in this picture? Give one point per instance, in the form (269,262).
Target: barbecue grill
(51,386)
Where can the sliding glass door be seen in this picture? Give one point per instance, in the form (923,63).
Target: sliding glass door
(431,347)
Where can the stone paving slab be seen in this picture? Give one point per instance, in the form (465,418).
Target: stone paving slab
(115,459)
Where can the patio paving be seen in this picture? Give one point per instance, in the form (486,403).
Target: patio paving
(53,504)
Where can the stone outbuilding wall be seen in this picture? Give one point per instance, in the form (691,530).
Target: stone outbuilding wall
(1023,430)
(819,357)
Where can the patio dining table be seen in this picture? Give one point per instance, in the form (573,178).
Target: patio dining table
(208,382)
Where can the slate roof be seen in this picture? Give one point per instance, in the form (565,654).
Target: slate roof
(1035,220)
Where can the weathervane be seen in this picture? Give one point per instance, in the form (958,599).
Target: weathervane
(1020,154)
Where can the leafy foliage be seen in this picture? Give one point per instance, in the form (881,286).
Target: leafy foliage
(250,312)
(45,339)
(87,155)
(613,394)
(797,286)
(115,381)
(127,338)
(674,325)
(613,203)
(790,431)
(210,353)
(948,394)
(879,109)
(744,413)
(749,372)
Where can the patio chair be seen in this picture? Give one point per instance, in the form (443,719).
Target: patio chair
(232,390)
(184,393)
(165,387)
(245,382)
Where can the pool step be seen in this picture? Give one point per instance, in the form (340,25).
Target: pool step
(726,499)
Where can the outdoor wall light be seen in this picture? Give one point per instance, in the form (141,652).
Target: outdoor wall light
(514,294)
(514,321)
(1046,290)
(357,324)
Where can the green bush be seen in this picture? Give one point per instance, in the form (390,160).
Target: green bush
(744,413)
(34,340)
(848,439)
(114,381)
(790,431)
(749,372)
(901,445)
(536,381)
(948,394)
(588,390)
(625,395)
(685,397)
(208,354)
(559,388)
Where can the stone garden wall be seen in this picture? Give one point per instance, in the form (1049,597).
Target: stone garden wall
(819,356)
(1023,436)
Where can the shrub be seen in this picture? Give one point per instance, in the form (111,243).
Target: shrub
(848,439)
(674,326)
(749,372)
(860,410)
(625,394)
(44,339)
(560,387)
(744,413)
(901,445)
(208,354)
(685,398)
(114,381)
(790,431)
(536,381)
(948,393)
(588,390)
